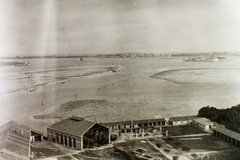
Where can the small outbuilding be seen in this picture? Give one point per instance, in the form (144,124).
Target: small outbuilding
(36,135)
(76,132)
(203,123)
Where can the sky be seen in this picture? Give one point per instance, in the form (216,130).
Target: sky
(76,27)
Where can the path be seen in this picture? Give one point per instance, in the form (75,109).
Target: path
(173,152)
(190,135)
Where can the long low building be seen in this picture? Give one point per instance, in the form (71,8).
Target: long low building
(182,120)
(227,135)
(136,124)
(76,132)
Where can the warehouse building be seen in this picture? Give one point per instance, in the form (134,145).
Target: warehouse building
(227,135)
(76,132)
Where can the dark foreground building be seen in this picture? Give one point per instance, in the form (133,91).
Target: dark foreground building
(15,141)
(76,132)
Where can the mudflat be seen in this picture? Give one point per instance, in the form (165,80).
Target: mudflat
(92,90)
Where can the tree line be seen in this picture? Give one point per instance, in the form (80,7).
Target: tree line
(229,117)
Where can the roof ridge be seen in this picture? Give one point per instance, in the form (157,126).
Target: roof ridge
(89,128)
(72,127)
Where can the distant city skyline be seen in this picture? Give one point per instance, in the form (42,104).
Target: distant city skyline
(77,27)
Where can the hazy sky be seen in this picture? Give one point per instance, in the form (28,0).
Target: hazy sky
(44,27)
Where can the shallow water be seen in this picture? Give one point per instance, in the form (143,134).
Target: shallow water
(131,92)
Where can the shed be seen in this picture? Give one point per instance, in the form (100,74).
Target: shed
(203,123)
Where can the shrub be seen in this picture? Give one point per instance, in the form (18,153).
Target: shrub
(177,143)
(194,155)
(166,150)
(159,145)
(169,138)
(185,148)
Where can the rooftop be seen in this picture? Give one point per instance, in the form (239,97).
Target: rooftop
(135,121)
(15,141)
(73,125)
(182,118)
(227,132)
(203,120)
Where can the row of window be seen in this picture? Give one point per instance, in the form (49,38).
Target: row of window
(64,140)
(140,125)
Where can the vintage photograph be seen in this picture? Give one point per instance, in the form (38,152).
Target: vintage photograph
(120,79)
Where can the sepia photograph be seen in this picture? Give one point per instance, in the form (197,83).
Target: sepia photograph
(120,79)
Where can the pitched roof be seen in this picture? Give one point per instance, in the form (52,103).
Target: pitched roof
(73,125)
(203,120)
(227,132)
(15,141)
(182,118)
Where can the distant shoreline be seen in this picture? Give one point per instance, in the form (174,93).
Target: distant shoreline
(126,55)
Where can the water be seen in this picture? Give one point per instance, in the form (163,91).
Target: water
(130,93)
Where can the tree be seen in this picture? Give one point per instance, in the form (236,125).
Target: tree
(229,117)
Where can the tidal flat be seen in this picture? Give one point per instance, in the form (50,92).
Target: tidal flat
(97,93)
